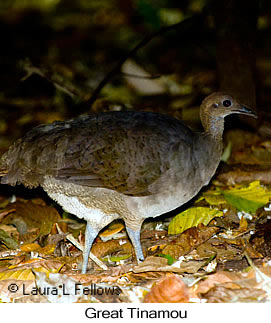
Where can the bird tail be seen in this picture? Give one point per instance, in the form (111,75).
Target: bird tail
(3,167)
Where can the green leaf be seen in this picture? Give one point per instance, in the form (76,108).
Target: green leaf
(191,218)
(117,258)
(170,259)
(248,198)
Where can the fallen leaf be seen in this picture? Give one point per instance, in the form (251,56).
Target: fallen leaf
(47,265)
(145,276)
(117,258)
(21,274)
(169,290)
(188,240)
(243,225)
(32,215)
(213,197)
(4,213)
(160,264)
(47,250)
(112,229)
(101,249)
(247,198)
(189,266)
(220,277)
(30,247)
(191,218)
(31,236)
(222,294)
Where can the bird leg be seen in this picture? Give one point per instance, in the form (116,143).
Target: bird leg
(90,235)
(134,235)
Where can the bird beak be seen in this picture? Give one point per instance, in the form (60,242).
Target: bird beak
(247,111)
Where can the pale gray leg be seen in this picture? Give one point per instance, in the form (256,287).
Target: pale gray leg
(90,235)
(135,238)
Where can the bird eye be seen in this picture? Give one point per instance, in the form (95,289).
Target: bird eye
(226,103)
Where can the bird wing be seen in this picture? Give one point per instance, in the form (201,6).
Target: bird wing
(124,151)
(125,164)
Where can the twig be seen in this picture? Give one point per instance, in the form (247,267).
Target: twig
(80,247)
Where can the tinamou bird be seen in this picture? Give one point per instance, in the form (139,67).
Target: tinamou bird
(126,164)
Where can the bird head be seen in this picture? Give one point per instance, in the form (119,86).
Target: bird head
(219,105)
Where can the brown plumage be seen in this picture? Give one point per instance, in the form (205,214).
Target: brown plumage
(129,165)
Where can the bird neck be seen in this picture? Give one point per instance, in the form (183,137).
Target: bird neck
(213,126)
(211,139)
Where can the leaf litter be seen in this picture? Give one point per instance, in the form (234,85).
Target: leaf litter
(191,250)
(226,225)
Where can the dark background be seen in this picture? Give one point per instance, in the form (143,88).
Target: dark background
(54,54)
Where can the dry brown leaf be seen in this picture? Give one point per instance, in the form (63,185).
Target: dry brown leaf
(32,215)
(252,252)
(223,251)
(161,264)
(169,290)
(30,236)
(151,263)
(111,275)
(222,294)
(191,266)
(215,279)
(188,240)
(52,265)
(101,249)
(6,212)
(243,225)
(145,276)
(223,285)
